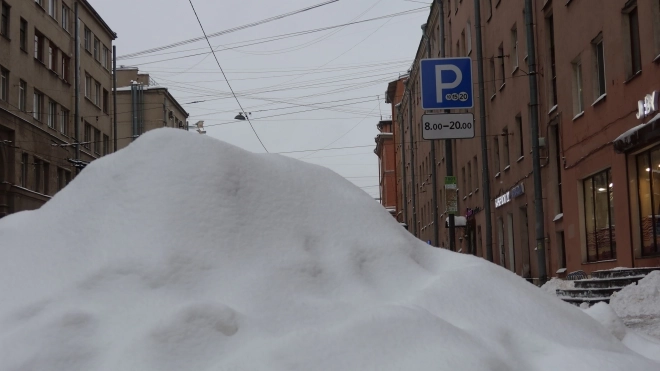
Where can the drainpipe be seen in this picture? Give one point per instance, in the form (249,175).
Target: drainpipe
(403,162)
(412,156)
(114,94)
(536,161)
(485,179)
(76,115)
(434,174)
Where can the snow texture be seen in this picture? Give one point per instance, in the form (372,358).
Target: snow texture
(639,342)
(149,261)
(555,284)
(639,305)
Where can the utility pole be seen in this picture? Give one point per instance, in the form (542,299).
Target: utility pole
(114,94)
(536,161)
(76,115)
(434,175)
(484,143)
(449,155)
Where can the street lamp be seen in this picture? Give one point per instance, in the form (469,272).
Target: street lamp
(241,117)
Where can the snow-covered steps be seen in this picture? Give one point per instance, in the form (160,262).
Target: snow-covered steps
(601,285)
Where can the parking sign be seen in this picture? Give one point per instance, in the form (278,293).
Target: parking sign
(446,83)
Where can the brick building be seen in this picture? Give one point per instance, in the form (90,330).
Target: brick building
(595,62)
(37,100)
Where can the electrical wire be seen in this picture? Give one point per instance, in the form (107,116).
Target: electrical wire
(225,76)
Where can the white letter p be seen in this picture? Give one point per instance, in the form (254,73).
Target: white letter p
(439,85)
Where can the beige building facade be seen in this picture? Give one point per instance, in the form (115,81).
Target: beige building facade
(143,106)
(37,97)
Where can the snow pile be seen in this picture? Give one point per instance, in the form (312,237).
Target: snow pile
(640,343)
(149,261)
(555,284)
(642,299)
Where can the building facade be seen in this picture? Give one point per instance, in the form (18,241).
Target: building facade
(386,166)
(38,132)
(143,106)
(597,70)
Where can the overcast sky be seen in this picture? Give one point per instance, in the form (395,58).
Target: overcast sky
(282,82)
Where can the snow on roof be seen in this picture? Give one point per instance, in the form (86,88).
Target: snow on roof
(260,262)
(144,87)
(626,137)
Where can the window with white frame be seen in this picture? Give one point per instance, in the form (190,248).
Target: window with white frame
(599,66)
(4,20)
(4,84)
(88,39)
(97,93)
(578,99)
(22,95)
(52,8)
(104,57)
(97,49)
(514,47)
(52,114)
(468,37)
(65,17)
(633,55)
(37,105)
(64,121)
(88,86)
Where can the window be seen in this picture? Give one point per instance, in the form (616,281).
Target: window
(4,20)
(505,145)
(634,61)
(87,135)
(38,46)
(463,50)
(88,39)
(577,88)
(493,81)
(648,175)
(476,172)
(23,36)
(88,86)
(46,170)
(52,8)
(52,57)
(490,9)
(37,105)
(558,164)
(514,47)
(97,141)
(500,56)
(24,170)
(553,67)
(599,216)
(104,57)
(40,2)
(106,100)
(64,121)
(52,114)
(599,70)
(63,178)
(22,95)
(65,67)
(4,84)
(106,144)
(469,177)
(65,17)
(521,140)
(97,93)
(496,155)
(38,179)
(468,37)
(97,49)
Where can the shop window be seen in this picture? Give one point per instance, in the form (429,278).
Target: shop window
(599,216)
(648,173)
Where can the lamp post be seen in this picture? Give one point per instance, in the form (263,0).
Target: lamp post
(241,116)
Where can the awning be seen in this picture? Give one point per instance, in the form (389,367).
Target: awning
(639,136)
(459,221)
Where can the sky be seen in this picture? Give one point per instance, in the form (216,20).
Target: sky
(321,90)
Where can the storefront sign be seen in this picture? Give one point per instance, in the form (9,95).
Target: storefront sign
(504,199)
(648,106)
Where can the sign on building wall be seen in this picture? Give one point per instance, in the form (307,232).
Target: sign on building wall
(448,126)
(451,195)
(504,199)
(648,105)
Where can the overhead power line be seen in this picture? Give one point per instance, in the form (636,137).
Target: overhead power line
(267,20)
(225,76)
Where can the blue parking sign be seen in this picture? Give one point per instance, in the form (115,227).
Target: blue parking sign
(446,83)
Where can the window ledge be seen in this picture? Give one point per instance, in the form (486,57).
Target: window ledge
(631,78)
(498,174)
(507,168)
(600,99)
(558,217)
(470,194)
(464,198)
(578,115)
(515,69)
(599,261)
(553,109)
(520,158)
(476,190)
(5,37)
(23,50)
(492,96)
(657,59)
(502,86)
(568,2)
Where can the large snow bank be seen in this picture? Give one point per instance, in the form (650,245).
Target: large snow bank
(639,305)
(638,342)
(151,261)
